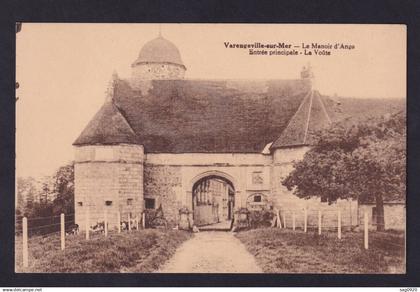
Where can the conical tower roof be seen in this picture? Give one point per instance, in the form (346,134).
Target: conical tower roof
(108,126)
(311,116)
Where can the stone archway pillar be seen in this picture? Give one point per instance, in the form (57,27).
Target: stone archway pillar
(238,200)
(188,200)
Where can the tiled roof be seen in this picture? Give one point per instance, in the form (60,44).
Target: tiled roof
(310,117)
(108,126)
(176,116)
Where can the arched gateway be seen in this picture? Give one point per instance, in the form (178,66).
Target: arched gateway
(213,200)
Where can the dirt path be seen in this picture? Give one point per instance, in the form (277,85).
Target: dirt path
(212,252)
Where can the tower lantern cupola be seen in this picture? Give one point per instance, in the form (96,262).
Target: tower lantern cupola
(159,59)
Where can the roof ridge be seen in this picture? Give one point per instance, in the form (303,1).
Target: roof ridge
(304,122)
(292,118)
(123,116)
(311,98)
(298,109)
(323,107)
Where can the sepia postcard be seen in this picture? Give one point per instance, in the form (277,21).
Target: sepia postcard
(210,148)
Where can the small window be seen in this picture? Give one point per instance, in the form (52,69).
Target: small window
(374,214)
(108,203)
(149,203)
(80,204)
(257,199)
(129,202)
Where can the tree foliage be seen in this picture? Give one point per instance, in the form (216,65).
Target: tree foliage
(26,192)
(64,190)
(364,161)
(49,196)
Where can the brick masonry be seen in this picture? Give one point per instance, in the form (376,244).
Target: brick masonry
(161,184)
(108,179)
(157,72)
(124,175)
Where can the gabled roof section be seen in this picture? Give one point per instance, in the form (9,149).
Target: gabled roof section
(107,127)
(209,116)
(310,117)
(196,116)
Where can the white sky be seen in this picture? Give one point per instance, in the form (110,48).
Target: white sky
(63,70)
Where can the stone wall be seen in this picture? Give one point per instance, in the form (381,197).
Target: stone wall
(121,172)
(108,179)
(157,71)
(238,168)
(162,183)
(169,179)
(394,214)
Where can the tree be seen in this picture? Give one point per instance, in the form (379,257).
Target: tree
(51,195)
(26,193)
(45,192)
(364,161)
(64,190)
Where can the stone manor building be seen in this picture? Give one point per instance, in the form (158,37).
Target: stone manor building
(158,140)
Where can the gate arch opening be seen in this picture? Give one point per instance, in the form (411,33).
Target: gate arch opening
(213,200)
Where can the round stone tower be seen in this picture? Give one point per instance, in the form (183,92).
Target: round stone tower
(159,59)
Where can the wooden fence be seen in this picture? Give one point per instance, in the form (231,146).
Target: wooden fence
(65,228)
(287,219)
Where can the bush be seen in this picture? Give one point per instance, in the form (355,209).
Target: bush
(251,219)
(260,218)
(155,218)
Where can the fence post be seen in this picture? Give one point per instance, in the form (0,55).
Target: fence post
(305,220)
(129,222)
(293,220)
(143,220)
(137,222)
(63,234)
(339,223)
(278,219)
(366,229)
(105,223)
(319,222)
(119,221)
(25,241)
(87,223)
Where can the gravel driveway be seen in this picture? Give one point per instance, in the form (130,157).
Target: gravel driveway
(212,252)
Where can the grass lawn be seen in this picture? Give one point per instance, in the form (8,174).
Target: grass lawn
(287,251)
(137,252)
